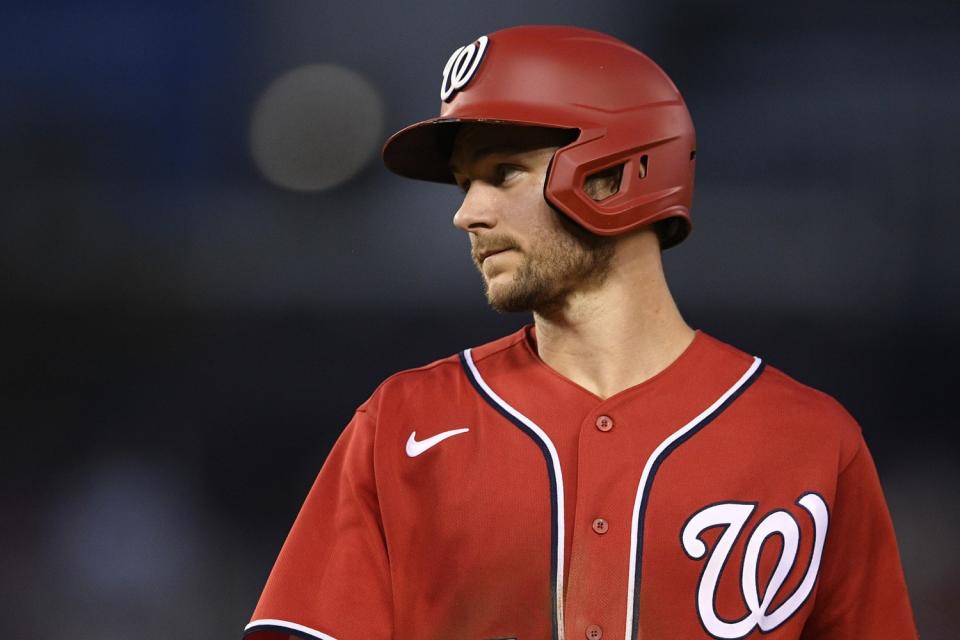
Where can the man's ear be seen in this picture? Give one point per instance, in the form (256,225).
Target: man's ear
(604,183)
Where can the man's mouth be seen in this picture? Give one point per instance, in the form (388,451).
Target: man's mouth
(486,253)
(492,252)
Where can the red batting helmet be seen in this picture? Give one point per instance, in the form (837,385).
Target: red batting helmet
(625,108)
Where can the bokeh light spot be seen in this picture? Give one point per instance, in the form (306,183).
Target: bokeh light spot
(315,127)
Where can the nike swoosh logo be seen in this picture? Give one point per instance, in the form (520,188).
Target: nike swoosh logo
(415,448)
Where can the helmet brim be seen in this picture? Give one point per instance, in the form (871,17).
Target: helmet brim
(422,151)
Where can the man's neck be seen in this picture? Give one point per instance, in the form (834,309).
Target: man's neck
(619,334)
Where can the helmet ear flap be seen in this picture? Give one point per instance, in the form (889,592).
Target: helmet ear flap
(656,177)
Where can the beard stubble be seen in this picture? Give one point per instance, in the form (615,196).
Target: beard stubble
(553,268)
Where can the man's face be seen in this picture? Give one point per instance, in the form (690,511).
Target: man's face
(530,256)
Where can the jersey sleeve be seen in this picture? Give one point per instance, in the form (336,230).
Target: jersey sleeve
(332,577)
(862,591)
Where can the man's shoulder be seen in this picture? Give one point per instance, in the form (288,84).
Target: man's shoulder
(437,379)
(789,405)
(794,396)
(775,384)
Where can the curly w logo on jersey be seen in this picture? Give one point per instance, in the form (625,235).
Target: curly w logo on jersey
(733,516)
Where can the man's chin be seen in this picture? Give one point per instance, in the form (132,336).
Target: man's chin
(504,301)
(508,306)
(514,301)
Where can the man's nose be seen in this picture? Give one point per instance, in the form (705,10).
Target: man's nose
(478,209)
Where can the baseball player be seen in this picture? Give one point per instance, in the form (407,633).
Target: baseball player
(606,472)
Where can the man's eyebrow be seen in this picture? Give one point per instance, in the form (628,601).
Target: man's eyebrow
(482,152)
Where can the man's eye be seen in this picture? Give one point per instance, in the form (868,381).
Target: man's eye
(506,171)
(464,185)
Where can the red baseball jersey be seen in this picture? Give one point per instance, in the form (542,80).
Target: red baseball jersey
(486,496)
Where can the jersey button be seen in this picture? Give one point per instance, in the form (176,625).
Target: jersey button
(594,632)
(600,526)
(604,423)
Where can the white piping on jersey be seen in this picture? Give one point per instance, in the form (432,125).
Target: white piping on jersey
(269,622)
(644,478)
(555,459)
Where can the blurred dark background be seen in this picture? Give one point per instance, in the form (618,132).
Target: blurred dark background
(204,267)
